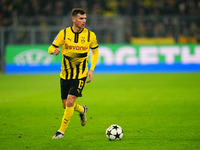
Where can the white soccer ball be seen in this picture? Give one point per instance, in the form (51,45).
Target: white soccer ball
(114,132)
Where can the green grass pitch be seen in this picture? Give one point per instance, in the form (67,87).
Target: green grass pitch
(156,111)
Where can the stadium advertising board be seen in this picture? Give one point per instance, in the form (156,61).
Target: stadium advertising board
(113,58)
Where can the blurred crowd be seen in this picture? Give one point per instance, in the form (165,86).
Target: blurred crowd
(143,18)
(33,8)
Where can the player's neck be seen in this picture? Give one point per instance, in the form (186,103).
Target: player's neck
(76,29)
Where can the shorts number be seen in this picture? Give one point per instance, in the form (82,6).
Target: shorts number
(81,83)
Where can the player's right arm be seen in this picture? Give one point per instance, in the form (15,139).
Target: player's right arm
(59,39)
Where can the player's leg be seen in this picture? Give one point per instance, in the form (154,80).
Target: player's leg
(64,102)
(83,118)
(76,87)
(64,92)
(65,87)
(69,110)
(81,109)
(77,107)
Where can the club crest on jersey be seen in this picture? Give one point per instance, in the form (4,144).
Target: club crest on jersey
(82,40)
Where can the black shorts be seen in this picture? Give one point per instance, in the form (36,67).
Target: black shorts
(72,86)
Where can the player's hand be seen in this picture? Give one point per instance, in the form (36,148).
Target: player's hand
(89,75)
(56,51)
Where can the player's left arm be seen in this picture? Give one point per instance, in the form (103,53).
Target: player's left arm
(95,55)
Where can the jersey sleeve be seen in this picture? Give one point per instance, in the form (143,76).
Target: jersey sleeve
(95,52)
(93,43)
(59,39)
(95,55)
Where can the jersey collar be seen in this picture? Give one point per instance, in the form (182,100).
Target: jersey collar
(76,32)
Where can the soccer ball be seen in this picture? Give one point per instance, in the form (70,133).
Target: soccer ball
(114,132)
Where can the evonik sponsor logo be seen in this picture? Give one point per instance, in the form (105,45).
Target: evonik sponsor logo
(75,47)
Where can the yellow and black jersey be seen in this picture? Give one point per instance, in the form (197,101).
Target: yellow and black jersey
(75,50)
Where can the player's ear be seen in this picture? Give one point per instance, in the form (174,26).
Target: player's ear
(73,19)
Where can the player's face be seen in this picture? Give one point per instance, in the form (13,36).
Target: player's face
(80,21)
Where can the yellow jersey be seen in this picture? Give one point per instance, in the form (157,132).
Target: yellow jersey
(75,51)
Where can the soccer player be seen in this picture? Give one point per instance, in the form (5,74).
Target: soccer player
(76,42)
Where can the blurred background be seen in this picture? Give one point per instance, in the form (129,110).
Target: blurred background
(134,22)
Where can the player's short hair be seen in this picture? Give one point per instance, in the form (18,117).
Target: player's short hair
(76,11)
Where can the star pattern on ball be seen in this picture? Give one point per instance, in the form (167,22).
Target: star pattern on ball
(109,133)
(114,132)
(115,127)
(117,136)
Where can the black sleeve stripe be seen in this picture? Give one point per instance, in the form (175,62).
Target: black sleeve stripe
(64,33)
(88,35)
(76,38)
(70,66)
(77,70)
(64,62)
(95,47)
(55,46)
(84,65)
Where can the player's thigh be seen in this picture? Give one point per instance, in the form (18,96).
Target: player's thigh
(76,87)
(64,87)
